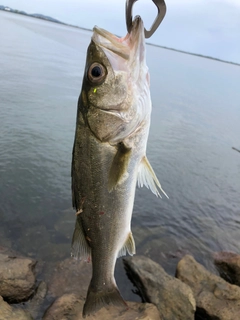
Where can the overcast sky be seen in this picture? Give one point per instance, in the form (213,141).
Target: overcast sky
(209,27)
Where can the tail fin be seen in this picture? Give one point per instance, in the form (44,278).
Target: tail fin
(96,300)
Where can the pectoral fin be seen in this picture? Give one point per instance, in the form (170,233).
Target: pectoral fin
(80,247)
(147,177)
(118,172)
(129,246)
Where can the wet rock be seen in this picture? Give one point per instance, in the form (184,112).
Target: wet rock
(228,265)
(216,299)
(31,239)
(7,250)
(173,298)
(54,251)
(4,238)
(17,280)
(69,307)
(34,305)
(8,312)
(46,245)
(70,276)
(66,222)
(40,294)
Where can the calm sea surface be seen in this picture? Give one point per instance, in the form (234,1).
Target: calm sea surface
(195,124)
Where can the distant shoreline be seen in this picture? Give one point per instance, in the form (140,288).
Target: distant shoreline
(194,54)
(50,19)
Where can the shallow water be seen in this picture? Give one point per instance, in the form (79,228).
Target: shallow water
(195,124)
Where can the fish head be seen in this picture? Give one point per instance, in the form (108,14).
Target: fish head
(115,92)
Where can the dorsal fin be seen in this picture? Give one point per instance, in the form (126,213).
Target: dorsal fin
(147,177)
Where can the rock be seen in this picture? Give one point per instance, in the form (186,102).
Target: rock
(54,251)
(40,294)
(228,265)
(17,280)
(8,312)
(4,239)
(216,299)
(66,222)
(32,238)
(69,307)
(34,306)
(70,276)
(173,298)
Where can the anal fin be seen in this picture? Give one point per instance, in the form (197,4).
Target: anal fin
(129,247)
(147,177)
(80,247)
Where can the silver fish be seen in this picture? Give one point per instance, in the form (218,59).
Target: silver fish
(109,156)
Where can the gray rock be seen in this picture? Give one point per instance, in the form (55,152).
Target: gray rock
(17,280)
(70,276)
(4,240)
(69,307)
(173,298)
(216,299)
(228,265)
(66,222)
(35,304)
(8,312)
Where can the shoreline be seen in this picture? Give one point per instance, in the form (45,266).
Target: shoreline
(183,296)
(45,18)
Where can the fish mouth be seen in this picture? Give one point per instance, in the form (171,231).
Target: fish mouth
(122,46)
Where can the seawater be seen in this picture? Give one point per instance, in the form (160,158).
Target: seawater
(195,124)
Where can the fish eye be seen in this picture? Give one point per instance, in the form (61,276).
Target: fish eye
(96,73)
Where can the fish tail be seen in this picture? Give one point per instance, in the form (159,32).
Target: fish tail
(97,299)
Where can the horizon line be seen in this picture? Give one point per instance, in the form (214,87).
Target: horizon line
(33,15)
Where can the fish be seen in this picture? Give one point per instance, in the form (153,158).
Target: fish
(109,157)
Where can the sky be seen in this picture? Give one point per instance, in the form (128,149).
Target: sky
(208,27)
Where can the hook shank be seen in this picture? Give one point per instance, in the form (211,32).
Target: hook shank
(161,6)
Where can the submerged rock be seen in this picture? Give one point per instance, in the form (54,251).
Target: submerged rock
(228,265)
(35,304)
(4,239)
(17,280)
(8,312)
(216,299)
(173,298)
(69,307)
(70,276)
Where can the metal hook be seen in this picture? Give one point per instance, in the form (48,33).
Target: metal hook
(161,6)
